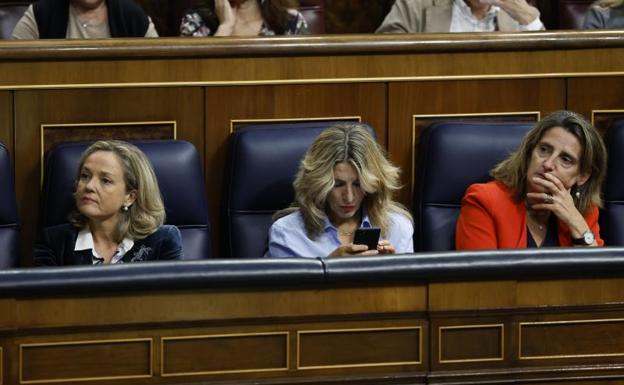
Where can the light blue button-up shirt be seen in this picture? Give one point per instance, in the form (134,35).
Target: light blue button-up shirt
(288,238)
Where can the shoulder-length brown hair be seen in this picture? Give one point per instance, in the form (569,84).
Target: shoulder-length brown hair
(147,213)
(593,161)
(378,177)
(274,13)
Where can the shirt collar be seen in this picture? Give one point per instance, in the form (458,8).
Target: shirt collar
(365,221)
(84,241)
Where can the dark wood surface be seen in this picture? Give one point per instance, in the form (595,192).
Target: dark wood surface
(562,330)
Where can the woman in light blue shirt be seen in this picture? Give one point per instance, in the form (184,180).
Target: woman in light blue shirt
(344,182)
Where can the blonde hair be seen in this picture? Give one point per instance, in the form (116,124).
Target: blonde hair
(593,161)
(350,143)
(147,213)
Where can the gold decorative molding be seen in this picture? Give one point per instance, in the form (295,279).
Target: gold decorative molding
(440,117)
(596,122)
(44,126)
(215,336)
(485,326)
(329,80)
(90,342)
(235,122)
(606,112)
(566,322)
(359,330)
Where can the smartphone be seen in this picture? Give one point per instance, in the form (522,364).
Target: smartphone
(368,236)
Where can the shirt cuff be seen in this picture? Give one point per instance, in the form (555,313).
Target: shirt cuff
(535,25)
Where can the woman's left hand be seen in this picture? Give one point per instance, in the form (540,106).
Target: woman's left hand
(385,247)
(558,200)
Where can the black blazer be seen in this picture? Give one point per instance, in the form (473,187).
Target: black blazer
(55,247)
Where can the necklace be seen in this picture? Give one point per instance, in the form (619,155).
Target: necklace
(346,233)
(532,219)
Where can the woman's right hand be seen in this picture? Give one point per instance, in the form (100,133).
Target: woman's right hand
(226,16)
(351,249)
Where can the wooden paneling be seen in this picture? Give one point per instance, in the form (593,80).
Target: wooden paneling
(219,305)
(598,98)
(579,338)
(54,134)
(34,109)
(472,295)
(359,347)
(570,292)
(471,343)
(237,353)
(224,105)
(514,97)
(85,360)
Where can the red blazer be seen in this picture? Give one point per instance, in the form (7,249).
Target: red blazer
(491,219)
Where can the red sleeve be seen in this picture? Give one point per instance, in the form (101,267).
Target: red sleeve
(475,227)
(592,222)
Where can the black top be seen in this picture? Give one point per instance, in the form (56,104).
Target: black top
(55,247)
(125,18)
(552,234)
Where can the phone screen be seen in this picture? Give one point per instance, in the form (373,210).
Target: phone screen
(368,236)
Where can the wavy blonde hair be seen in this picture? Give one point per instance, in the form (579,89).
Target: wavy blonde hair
(593,161)
(147,213)
(378,177)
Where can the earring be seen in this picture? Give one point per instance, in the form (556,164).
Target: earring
(578,195)
(125,208)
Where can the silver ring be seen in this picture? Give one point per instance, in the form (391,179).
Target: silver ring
(549,198)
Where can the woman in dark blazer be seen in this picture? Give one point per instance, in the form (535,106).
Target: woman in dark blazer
(118,215)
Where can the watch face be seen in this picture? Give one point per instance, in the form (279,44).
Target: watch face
(589,238)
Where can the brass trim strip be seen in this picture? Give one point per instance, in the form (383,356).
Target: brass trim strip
(92,342)
(391,79)
(459,115)
(484,326)
(210,336)
(596,112)
(43,126)
(521,324)
(357,330)
(233,122)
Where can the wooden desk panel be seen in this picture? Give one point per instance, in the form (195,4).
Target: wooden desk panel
(325,334)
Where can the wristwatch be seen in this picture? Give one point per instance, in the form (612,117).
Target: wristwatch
(586,240)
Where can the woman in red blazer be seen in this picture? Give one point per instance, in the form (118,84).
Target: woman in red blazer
(546,193)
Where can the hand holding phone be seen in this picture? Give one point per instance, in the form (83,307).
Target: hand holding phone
(368,236)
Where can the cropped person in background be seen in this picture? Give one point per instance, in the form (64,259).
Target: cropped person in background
(546,193)
(118,215)
(344,182)
(412,16)
(83,19)
(605,14)
(244,18)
